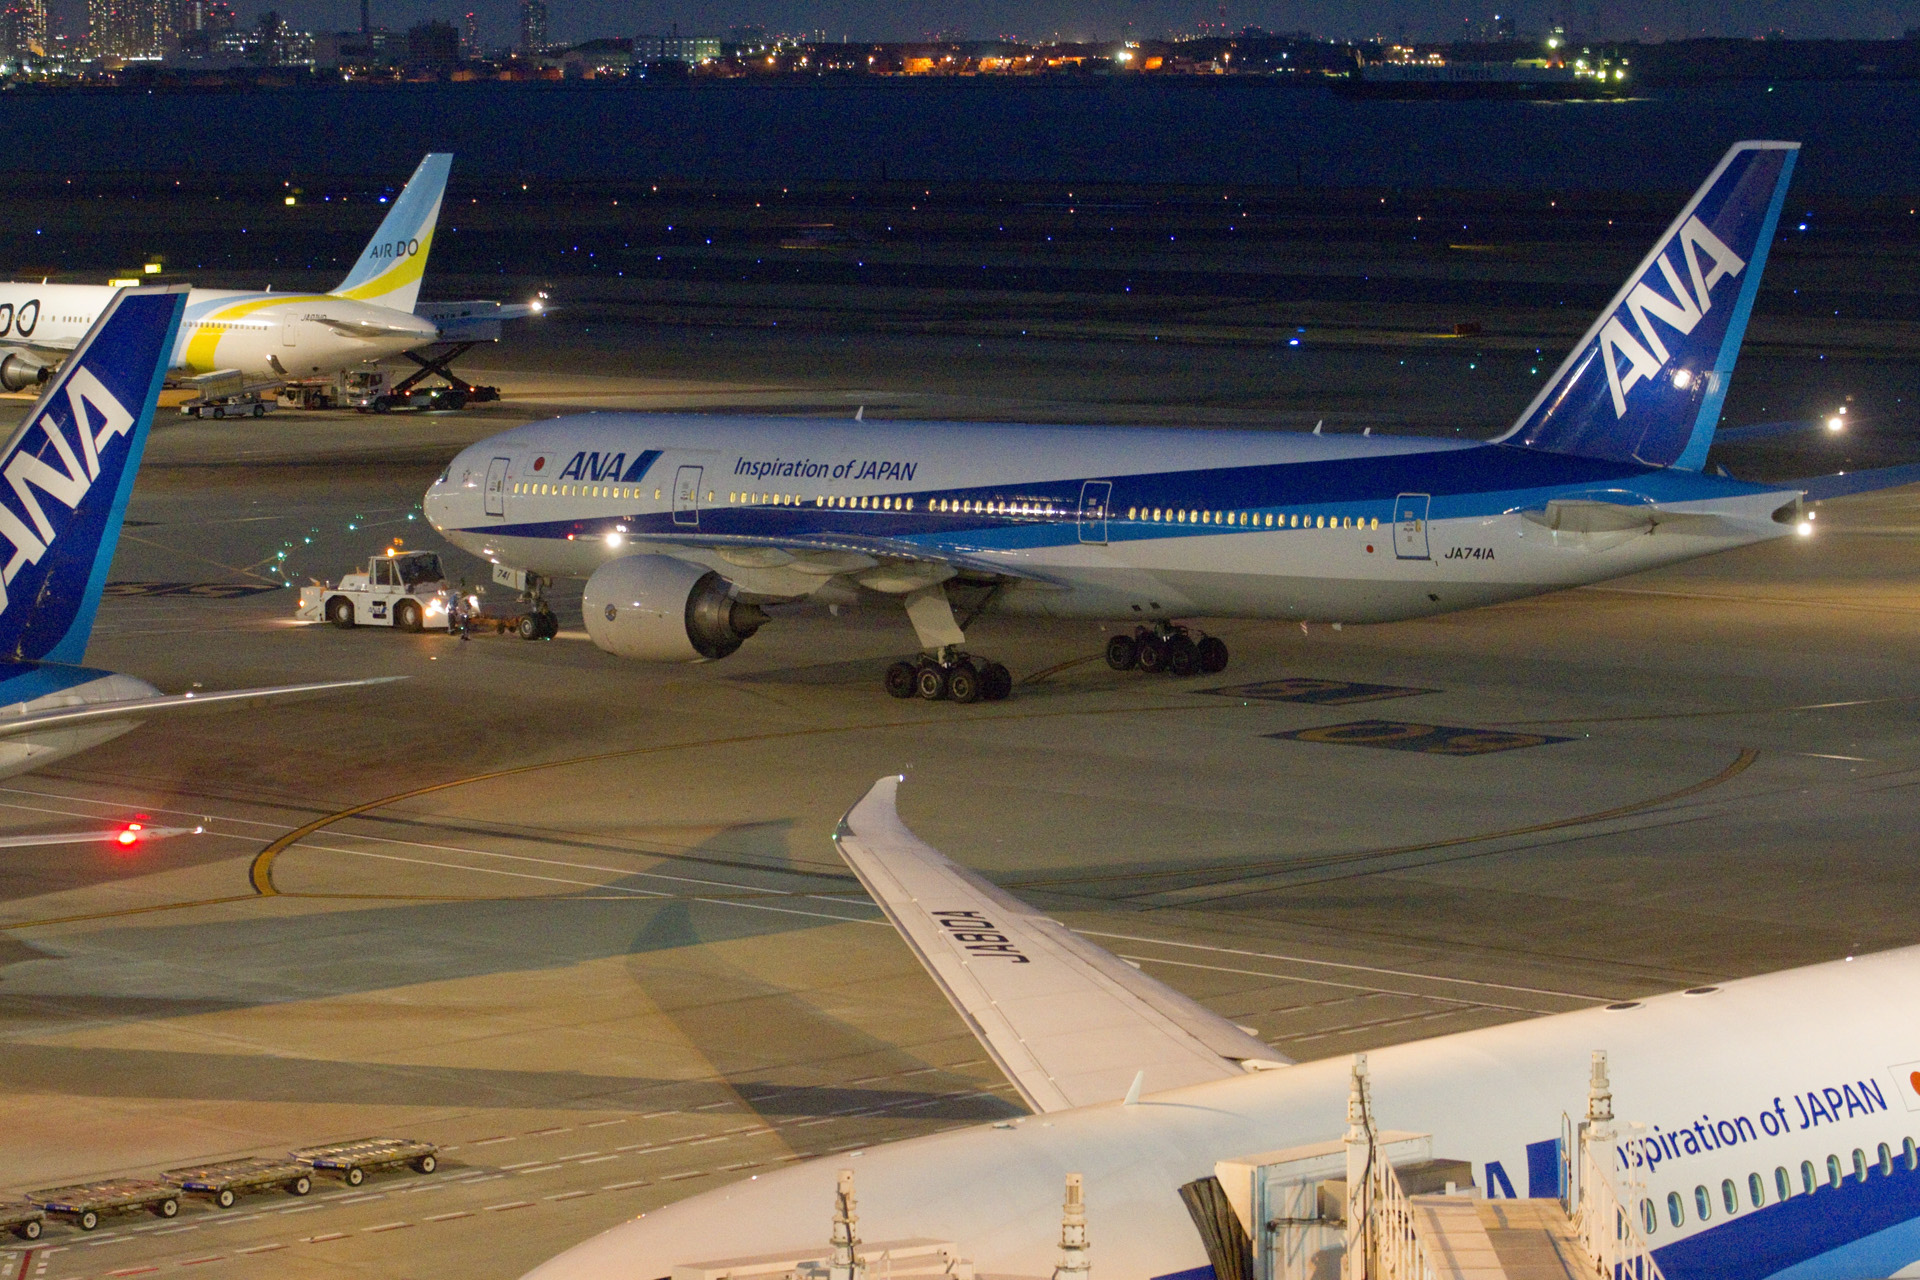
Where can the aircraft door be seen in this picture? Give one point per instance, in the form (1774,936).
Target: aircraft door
(496,490)
(288,335)
(1410,512)
(1095,497)
(686,496)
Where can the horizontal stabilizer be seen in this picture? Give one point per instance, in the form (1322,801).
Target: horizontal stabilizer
(1071,1025)
(1820,488)
(135,708)
(1580,515)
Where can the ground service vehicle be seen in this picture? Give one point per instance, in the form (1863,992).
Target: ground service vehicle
(225,1182)
(352,1161)
(403,589)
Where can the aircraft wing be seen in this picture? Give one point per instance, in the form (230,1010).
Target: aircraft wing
(1071,1025)
(130,835)
(853,551)
(127,708)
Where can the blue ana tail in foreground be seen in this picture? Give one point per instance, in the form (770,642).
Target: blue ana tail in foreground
(1647,381)
(67,472)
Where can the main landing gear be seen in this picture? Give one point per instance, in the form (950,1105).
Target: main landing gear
(1167,648)
(952,676)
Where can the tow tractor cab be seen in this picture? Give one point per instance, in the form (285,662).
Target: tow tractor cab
(404,589)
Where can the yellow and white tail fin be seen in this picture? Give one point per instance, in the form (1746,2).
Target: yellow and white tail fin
(389,270)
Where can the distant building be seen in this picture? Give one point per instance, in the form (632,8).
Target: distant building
(433,44)
(23,29)
(533,25)
(470,36)
(692,50)
(128,28)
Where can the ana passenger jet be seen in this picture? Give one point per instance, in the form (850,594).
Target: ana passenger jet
(683,526)
(1767,1128)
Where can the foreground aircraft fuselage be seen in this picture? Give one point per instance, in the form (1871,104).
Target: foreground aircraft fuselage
(1784,1106)
(683,526)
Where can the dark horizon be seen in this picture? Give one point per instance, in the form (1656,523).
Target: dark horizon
(576,20)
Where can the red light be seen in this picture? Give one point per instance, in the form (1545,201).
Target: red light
(128,836)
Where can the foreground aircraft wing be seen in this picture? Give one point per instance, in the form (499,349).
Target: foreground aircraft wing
(1820,488)
(126,708)
(1071,1025)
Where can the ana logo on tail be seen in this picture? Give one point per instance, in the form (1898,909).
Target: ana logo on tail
(67,484)
(1680,313)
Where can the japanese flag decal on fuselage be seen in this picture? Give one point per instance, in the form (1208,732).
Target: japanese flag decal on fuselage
(1647,382)
(66,474)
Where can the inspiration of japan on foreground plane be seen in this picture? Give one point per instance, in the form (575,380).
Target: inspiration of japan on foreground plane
(1767,1127)
(685,526)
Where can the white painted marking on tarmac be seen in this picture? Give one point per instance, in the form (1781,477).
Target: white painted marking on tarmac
(579,1155)
(524,1164)
(568,1195)
(377,1195)
(331,1235)
(487,1142)
(448,1217)
(385,1226)
(174,1231)
(595,1125)
(511,1204)
(263,1248)
(680,1177)
(602,1159)
(303,1208)
(544,1168)
(626,1186)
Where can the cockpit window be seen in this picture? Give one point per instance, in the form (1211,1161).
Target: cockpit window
(417,569)
(445,474)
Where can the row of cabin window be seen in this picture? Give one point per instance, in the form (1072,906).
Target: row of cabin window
(1782,1183)
(534,489)
(1157,515)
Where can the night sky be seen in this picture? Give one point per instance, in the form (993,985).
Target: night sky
(1037,19)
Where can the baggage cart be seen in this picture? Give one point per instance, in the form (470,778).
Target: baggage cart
(225,1182)
(352,1161)
(21,1218)
(84,1204)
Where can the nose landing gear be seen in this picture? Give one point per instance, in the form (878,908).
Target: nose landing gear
(1167,648)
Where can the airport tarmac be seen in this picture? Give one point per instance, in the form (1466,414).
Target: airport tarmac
(580,921)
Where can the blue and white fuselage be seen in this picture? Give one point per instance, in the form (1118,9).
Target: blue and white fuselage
(1088,522)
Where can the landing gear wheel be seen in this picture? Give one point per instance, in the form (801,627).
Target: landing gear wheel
(340,613)
(454,400)
(899,679)
(355,1175)
(407,616)
(1151,654)
(964,684)
(1213,655)
(549,624)
(996,682)
(1183,656)
(528,628)
(224,1197)
(1122,653)
(930,682)
(219,411)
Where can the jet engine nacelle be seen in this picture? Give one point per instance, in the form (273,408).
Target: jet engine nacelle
(18,372)
(659,609)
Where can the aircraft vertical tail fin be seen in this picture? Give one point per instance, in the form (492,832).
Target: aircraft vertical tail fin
(66,474)
(1647,381)
(389,270)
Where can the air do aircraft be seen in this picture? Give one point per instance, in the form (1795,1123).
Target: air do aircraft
(1767,1127)
(684,526)
(262,334)
(66,475)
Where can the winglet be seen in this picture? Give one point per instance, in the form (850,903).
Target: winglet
(70,469)
(1071,1025)
(389,269)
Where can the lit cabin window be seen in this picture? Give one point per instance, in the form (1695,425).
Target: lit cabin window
(1886,1161)
(709,495)
(909,504)
(1913,1156)
(656,495)
(1859,1165)
(1806,1177)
